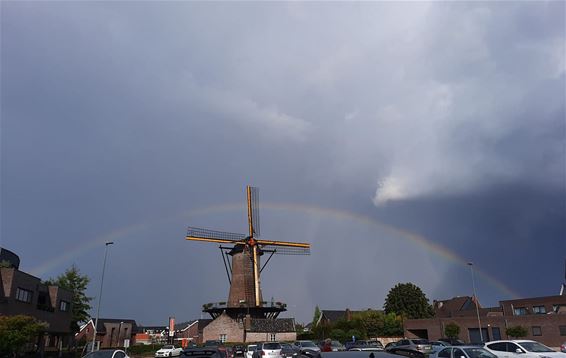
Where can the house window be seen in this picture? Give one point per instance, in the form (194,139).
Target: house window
(537,331)
(223,338)
(272,337)
(23,295)
(539,310)
(520,311)
(63,306)
(562,330)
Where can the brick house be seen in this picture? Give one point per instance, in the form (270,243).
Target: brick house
(194,331)
(544,318)
(24,294)
(109,332)
(248,329)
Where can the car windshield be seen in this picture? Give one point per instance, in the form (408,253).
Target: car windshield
(100,354)
(535,347)
(286,346)
(168,347)
(308,344)
(336,344)
(271,346)
(479,353)
(420,341)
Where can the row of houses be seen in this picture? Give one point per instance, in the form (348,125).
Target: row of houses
(114,332)
(543,317)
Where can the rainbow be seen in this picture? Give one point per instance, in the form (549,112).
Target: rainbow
(126,233)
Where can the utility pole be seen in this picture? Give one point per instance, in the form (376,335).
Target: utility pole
(476,299)
(100,295)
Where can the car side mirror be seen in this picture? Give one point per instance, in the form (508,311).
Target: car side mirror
(518,350)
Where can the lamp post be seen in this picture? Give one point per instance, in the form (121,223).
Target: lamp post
(100,294)
(476,299)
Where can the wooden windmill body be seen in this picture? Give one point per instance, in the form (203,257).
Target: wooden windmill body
(242,262)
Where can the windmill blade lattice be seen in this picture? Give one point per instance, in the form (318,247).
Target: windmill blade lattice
(284,250)
(213,234)
(254,203)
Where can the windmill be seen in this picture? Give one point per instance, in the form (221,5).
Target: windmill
(242,263)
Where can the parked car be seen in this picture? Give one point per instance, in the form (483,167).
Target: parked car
(238,351)
(522,349)
(452,341)
(268,350)
(464,352)
(337,346)
(169,351)
(361,345)
(390,345)
(250,349)
(375,345)
(407,352)
(355,345)
(421,345)
(305,346)
(438,345)
(107,353)
(288,351)
(563,347)
(204,352)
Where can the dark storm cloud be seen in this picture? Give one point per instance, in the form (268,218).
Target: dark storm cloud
(445,119)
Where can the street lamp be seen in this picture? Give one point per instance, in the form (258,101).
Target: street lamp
(100,294)
(476,299)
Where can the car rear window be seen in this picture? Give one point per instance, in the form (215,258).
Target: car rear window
(271,346)
(420,341)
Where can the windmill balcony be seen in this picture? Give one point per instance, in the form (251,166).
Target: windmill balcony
(220,305)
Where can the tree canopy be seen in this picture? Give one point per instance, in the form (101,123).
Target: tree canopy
(16,332)
(452,330)
(516,331)
(408,300)
(72,280)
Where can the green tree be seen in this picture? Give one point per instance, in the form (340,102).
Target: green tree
(72,280)
(339,335)
(16,332)
(516,331)
(356,333)
(392,325)
(372,322)
(316,316)
(408,300)
(452,330)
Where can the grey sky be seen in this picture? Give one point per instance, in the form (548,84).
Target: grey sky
(371,129)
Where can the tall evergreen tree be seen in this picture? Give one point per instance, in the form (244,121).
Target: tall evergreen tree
(408,300)
(72,280)
(316,315)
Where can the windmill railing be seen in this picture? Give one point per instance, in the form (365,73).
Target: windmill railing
(220,305)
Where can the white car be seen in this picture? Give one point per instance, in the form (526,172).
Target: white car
(107,353)
(168,351)
(521,349)
(250,350)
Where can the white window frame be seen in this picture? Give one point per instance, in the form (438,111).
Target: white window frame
(272,337)
(64,306)
(223,337)
(23,295)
